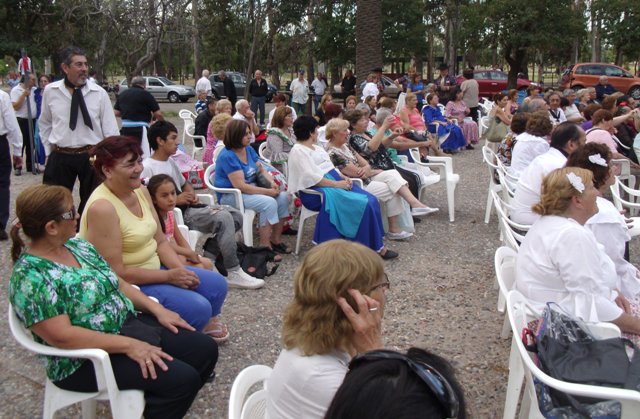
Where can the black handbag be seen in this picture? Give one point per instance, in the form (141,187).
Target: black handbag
(258,262)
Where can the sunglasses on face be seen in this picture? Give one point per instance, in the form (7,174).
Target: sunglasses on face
(436,382)
(69,215)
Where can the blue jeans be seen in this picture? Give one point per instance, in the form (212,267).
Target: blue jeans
(196,306)
(271,210)
(258,102)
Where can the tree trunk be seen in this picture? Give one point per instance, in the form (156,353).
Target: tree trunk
(197,67)
(369,36)
(595,36)
(271,65)
(517,63)
(430,62)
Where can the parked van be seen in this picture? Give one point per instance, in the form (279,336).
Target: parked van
(581,75)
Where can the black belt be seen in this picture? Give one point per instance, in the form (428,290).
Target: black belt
(71,150)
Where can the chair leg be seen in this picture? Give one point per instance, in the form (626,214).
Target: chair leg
(487,213)
(506,327)
(89,409)
(451,190)
(299,236)
(514,385)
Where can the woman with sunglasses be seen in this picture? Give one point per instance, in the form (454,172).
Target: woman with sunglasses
(336,312)
(384,384)
(68,296)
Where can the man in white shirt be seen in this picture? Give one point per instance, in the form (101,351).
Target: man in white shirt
(244,113)
(204,83)
(319,86)
(76,115)
(565,139)
(300,93)
(221,222)
(24,104)
(10,145)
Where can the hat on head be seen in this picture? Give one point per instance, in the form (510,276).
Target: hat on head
(443,66)
(301,71)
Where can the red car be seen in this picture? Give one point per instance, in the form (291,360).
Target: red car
(491,82)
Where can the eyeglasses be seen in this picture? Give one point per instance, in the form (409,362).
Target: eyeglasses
(69,215)
(436,382)
(384,285)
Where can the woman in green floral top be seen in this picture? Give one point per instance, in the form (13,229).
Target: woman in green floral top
(66,293)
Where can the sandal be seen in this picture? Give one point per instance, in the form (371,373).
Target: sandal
(280,248)
(217,332)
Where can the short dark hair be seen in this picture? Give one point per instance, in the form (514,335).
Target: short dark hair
(565,133)
(111,149)
(589,110)
(353,116)
(161,129)
(68,53)
(304,126)
(601,115)
(519,122)
(332,110)
(580,158)
(385,388)
(467,73)
(234,133)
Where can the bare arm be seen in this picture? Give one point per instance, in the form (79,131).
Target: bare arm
(238,182)
(405,120)
(502,116)
(379,137)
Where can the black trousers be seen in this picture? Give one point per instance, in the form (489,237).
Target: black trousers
(170,395)
(5,180)
(26,140)
(474,114)
(63,169)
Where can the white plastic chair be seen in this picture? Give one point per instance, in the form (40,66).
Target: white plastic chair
(247,214)
(491,160)
(188,118)
(255,406)
(505,266)
(483,125)
(436,124)
(261,152)
(625,172)
(189,129)
(510,231)
(305,213)
(485,106)
(508,183)
(444,166)
(621,204)
(124,403)
(521,364)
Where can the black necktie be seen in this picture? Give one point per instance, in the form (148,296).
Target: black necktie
(77,101)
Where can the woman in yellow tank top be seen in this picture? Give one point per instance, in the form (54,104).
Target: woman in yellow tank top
(120,221)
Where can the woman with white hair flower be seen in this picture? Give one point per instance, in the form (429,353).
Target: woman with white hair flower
(561,261)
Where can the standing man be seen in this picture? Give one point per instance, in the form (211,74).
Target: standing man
(319,87)
(348,85)
(202,121)
(229,89)
(137,108)
(76,115)
(204,83)
(10,145)
(300,93)
(24,105)
(258,89)
(445,84)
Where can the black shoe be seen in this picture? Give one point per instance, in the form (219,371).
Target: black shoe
(417,220)
(3,235)
(290,232)
(424,159)
(447,151)
(389,254)
(470,147)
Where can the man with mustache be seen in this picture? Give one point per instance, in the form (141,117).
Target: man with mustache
(76,115)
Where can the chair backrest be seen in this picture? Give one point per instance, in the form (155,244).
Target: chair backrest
(617,190)
(186,114)
(22,334)
(512,231)
(508,184)
(519,312)
(505,266)
(256,406)
(491,159)
(441,107)
(248,377)
(211,169)
(261,149)
(483,125)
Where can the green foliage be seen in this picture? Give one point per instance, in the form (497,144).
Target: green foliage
(620,25)
(335,30)
(403,28)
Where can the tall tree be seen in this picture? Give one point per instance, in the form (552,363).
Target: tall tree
(369,37)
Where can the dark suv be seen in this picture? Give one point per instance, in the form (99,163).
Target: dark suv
(582,75)
(240,81)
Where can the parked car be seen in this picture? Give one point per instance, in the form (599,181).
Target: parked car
(390,89)
(240,81)
(164,89)
(491,82)
(580,75)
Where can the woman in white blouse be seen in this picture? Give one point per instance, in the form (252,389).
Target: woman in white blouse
(561,261)
(345,210)
(531,143)
(608,225)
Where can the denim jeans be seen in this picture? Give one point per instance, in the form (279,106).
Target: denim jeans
(258,102)
(195,306)
(222,224)
(5,180)
(271,210)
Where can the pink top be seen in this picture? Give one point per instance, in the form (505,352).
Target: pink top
(415,119)
(456,109)
(602,136)
(169,223)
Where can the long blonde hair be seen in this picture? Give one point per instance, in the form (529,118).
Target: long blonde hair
(313,321)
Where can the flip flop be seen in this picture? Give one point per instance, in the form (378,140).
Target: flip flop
(217,332)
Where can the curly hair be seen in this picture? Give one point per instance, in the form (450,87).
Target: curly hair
(219,124)
(313,322)
(334,126)
(539,124)
(222,105)
(557,191)
(580,158)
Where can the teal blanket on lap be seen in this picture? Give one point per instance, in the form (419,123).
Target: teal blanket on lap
(345,209)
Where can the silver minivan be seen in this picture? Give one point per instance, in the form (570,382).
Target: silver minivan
(164,89)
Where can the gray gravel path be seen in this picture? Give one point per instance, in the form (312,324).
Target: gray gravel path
(441,298)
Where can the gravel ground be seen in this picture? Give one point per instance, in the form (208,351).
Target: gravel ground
(442,298)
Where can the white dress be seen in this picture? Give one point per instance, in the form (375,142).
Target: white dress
(560,261)
(307,166)
(302,387)
(530,183)
(611,231)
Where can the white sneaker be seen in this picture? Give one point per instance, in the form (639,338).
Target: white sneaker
(399,235)
(241,279)
(423,211)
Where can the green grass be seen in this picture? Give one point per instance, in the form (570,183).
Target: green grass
(170,114)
